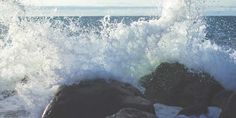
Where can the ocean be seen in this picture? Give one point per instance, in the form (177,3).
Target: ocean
(40,53)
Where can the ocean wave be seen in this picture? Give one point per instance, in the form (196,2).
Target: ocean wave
(50,54)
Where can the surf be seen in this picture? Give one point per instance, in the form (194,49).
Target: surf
(50,52)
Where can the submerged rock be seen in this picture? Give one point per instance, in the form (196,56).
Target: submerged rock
(132,113)
(95,99)
(173,84)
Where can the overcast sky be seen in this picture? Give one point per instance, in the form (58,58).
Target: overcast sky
(116,2)
(92,2)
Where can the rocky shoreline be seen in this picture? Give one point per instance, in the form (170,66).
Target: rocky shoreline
(170,84)
(97,98)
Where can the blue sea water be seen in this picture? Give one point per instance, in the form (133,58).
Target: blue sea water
(219,29)
(50,50)
(222,30)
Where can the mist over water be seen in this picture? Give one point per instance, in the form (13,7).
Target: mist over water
(49,52)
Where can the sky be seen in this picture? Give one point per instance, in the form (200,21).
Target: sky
(212,7)
(116,2)
(92,2)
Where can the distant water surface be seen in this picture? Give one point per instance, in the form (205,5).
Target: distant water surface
(117,11)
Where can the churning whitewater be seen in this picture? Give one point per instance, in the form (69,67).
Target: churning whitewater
(38,55)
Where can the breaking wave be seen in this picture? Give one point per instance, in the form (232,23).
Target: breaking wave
(39,54)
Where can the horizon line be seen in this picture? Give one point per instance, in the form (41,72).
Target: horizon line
(105,6)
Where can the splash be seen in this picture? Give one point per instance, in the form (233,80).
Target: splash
(38,55)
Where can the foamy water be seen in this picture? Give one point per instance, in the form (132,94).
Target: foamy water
(49,55)
(164,111)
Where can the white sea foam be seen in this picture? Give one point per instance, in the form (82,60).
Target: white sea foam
(49,56)
(164,111)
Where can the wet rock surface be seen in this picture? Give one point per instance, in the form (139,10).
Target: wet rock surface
(221,98)
(96,99)
(170,84)
(229,107)
(132,113)
(173,84)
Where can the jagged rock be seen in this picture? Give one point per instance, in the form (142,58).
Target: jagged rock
(95,99)
(173,84)
(229,107)
(131,113)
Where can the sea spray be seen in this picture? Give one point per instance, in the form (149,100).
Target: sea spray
(25,53)
(49,52)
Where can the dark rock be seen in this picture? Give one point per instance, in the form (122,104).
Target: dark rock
(173,84)
(195,109)
(95,99)
(229,107)
(226,100)
(132,113)
(221,98)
